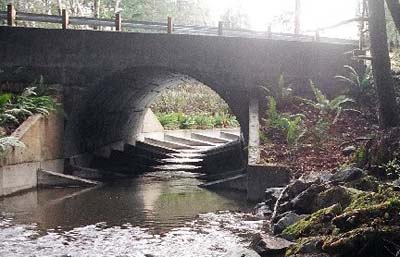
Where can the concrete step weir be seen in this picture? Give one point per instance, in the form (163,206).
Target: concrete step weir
(201,151)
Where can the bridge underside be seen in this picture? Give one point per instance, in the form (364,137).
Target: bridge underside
(112,111)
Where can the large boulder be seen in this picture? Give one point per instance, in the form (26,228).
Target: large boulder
(303,203)
(267,245)
(347,174)
(287,220)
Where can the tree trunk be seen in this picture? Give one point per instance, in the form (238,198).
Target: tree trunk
(388,110)
(96,8)
(297,14)
(116,7)
(96,11)
(394,8)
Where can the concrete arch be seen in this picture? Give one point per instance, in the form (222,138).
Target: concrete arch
(112,111)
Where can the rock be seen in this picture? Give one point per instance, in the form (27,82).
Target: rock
(347,175)
(349,150)
(242,253)
(317,224)
(281,211)
(312,246)
(297,186)
(266,245)
(272,195)
(366,183)
(283,203)
(330,197)
(303,202)
(364,241)
(262,210)
(289,219)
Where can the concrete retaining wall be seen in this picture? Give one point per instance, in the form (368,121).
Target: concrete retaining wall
(260,177)
(43,138)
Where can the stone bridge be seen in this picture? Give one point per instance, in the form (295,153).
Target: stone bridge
(109,78)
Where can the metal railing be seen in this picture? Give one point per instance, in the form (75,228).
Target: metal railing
(12,17)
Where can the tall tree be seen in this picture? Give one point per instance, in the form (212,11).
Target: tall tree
(394,8)
(297,14)
(388,110)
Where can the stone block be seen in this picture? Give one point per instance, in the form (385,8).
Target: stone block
(18,177)
(259,178)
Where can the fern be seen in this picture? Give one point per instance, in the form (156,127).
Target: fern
(8,118)
(5,99)
(6,142)
(281,92)
(294,130)
(29,91)
(290,125)
(325,105)
(361,86)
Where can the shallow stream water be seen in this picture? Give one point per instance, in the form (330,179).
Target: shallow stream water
(161,214)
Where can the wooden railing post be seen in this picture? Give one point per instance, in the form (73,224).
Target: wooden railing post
(11,15)
(220,28)
(118,21)
(65,19)
(170,25)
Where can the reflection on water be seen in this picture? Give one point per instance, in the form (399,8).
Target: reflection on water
(153,215)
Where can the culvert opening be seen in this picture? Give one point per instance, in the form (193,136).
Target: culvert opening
(197,128)
(190,122)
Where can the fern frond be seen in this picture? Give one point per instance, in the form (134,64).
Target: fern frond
(321,98)
(29,91)
(10,141)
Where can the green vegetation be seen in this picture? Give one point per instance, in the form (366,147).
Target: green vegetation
(311,225)
(15,109)
(392,168)
(360,86)
(192,106)
(290,125)
(326,106)
(280,91)
(178,120)
(338,229)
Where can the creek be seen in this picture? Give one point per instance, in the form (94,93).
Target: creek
(157,214)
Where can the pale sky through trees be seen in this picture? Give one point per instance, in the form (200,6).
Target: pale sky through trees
(315,13)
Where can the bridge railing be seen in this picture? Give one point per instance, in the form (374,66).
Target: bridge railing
(12,17)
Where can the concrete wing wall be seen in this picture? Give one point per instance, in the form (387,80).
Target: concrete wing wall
(43,138)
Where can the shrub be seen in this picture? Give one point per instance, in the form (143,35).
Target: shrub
(326,106)
(200,121)
(361,86)
(392,168)
(291,125)
(280,91)
(6,142)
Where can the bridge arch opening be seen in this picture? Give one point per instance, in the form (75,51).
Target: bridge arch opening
(113,110)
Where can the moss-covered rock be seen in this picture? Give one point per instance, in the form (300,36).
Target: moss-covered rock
(365,242)
(308,245)
(319,223)
(369,225)
(366,183)
(369,209)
